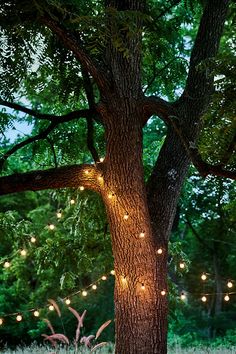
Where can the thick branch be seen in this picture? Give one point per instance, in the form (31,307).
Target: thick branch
(72,43)
(51,117)
(199,83)
(155,105)
(42,135)
(54,178)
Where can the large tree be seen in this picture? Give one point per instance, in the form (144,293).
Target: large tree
(99,49)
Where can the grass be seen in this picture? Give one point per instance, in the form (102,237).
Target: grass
(110,349)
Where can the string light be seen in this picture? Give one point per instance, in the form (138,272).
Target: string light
(142,235)
(203,276)
(183,296)
(143,286)
(204,299)
(104,277)
(23,253)
(6,264)
(72,201)
(112,272)
(84,293)
(1,321)
(67,301)
(51,226)
(163,292)
(59,214)
(230,284)
(160,251)
(123,279)
(101,159)
(126,216)
(87,172)
(51,307)
(110,195)
(36,313)
(226,298)
(182,265)
(100,178)
(33,239)
(94,286)
(81,188)
(19,318)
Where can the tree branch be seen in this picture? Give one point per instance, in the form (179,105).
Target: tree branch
(199,83)
(42,135)
(72,43)
(156,105)
(54,178)
(53,118)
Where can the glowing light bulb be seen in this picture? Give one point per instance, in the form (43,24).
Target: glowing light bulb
(204,299)
(36,313)
(23,253)
(94,286)
(72,201)
(226,298)
(59,214)
(160,251)
(51,227)
(33,239)
(126,216)
(51,307)
(182,265)
(67,301)
(112,272)
(6,264)
(163,292)
(104,277)
(81,188)
(203,276)
(183,296)
(110,195)
(230,284)
(100,178)
(87,172)
(142,235)
(19,318)
(101,159)
(143,286)
(1,321)
(84,293)
(123,279)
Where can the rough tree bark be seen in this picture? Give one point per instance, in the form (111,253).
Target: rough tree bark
(140,216)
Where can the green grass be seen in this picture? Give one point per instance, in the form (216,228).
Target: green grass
(110,350)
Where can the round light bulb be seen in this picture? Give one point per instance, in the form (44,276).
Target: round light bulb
(104,277)
(59,214)
(163,292)
(51,226)
(143,286)
(230,284)
(19,318)
(101,159)
(67,301)
(126,216)
(182,265)
(87,172)
(183,296)
(112,272)
(33,239)
(72,201)
(23,253)
(110,195)
(1,321)
(6,264)
(94,286)
(100,178)
(204,299)
(81,188)
(142,235)
(36,313)
(160,251)
(123,279)
(84,293)
(51,307)
(203,276)
(226,298)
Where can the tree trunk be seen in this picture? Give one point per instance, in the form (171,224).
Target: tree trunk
(140,286)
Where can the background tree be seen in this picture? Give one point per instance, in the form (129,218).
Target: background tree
(97,58)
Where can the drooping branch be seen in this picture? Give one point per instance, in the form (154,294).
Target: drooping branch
(50,117)
(42,135)
(199,83)
(73,44)
(153,105)
(54,178)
